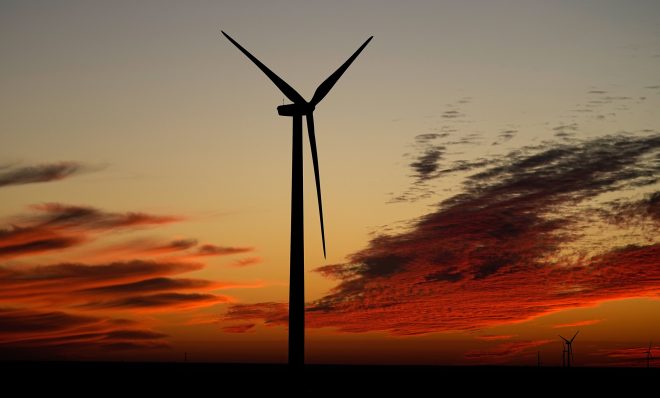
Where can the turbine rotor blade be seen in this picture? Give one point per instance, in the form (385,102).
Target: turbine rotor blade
(576,333)
(287,90)
(563,338)
(315,161)
(325,87)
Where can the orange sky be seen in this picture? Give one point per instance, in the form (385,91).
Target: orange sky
(489,181)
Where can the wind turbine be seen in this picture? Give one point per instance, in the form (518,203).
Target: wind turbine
(648,356)
(569,349)
(299,108)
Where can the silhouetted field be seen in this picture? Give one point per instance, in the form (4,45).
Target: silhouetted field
(338,380)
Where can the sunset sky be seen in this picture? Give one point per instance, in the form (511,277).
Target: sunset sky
(490,174)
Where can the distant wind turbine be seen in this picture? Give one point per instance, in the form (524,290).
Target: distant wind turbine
(568,352)
(297,110)
(648,356)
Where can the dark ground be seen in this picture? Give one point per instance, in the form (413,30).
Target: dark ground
(337,380)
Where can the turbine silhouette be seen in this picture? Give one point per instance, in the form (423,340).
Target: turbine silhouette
(568,352)
(299,108)
(648,355)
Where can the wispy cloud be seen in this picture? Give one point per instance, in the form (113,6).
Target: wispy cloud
(495,337)
(270,313)
(39,173)
(240,328)
(587,322)
(34,334)
(505,351)
(67,309)
(496,252)
(246,262)
(159,302)
(213,250)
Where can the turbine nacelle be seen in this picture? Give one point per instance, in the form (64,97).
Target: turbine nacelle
(295,109)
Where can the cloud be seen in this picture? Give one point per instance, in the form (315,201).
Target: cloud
(155,284)
(271,313)
(44,307)
(587,322)
(505,351)
(452,114)
(630,356)
(507,248)
(138,285)
(160,302)
(22,322)
(427,163)
(54,227)
(213,250)
(30,283)
(38,173)
(246,262)
(174,246)
(38,246)
(495,337)
(68,216)
(33,334)
(240,328)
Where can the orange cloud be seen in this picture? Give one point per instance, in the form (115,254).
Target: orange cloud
(494,337)
(492,254)
(578,323)
(43,308)
(240,328)
(31,334)
(245,262)
(504,351)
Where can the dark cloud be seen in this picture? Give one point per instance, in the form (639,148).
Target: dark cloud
(14,321)
(56,226)
(39,173)
(625,212)
(33,334)
(452,114)
(246,262)
(213,250)
(133,335)
(152,285)
(566,130)
(176,245)
(575,324)
(504,351)
(489,254)
(84,274)
(38,246)
(426,165)
(60,215)
(240,328)
(631,356)
(45,302)
(161,301)
(272,314)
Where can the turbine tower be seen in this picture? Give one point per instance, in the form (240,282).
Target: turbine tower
(648,356)
(568,352)
(299,108)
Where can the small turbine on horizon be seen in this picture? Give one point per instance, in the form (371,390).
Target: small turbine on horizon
(299,108)
(648,355)
(568,350)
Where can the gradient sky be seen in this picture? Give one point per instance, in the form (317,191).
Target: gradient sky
(489,173)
